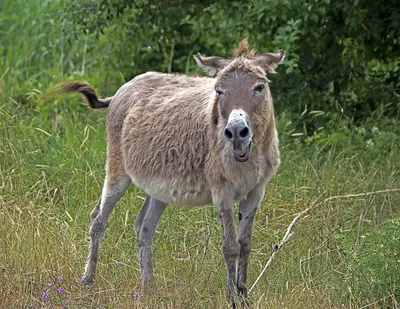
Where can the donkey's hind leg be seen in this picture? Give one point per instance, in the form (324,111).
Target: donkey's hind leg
(95,210)
(145,226)
(112,192)
(142,214)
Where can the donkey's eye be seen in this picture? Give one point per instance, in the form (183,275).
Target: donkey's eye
(259,88)
(219,91)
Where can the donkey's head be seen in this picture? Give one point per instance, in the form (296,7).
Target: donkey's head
(243,104)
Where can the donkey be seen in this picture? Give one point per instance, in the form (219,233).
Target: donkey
(190,140)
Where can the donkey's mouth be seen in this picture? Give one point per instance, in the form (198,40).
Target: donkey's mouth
(242,155)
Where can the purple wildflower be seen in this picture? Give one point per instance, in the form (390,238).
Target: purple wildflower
(46,295)
(121,263)
(83,279)
(59,278)
(60,289)
(137,295)
(49,284)
(32,306)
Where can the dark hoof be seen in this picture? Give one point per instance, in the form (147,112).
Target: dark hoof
(240,303)
(242,291)
(241,300)
(87,282)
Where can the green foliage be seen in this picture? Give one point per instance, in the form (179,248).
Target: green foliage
(373,264)
(339,62)
(89,17)
(342,57)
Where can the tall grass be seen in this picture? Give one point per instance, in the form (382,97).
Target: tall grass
(35,53)
(51,172)
(51,177)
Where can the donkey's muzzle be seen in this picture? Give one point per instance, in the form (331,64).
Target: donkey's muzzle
(237,132)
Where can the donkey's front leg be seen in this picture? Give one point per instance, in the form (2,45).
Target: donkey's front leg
(247,211)
(230,246)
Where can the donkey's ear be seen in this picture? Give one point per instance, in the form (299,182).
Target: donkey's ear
(211,65)
(269,61)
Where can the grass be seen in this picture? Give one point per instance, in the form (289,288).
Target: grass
(52,156)
(51,177)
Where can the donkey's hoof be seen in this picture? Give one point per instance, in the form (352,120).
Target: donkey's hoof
(87,281)
(240,299)
(147,279)
(240,303)
(242,291)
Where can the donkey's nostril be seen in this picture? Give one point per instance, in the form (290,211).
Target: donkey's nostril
(243,133)
(228,134)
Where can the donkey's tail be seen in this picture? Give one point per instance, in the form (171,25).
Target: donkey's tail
(86,91)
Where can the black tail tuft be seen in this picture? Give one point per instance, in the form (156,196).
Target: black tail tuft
(87,92)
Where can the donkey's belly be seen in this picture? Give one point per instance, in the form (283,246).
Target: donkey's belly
(173,192)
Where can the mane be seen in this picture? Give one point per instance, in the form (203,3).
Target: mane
(243,50)
(241,61)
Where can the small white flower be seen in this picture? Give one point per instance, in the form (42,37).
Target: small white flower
(375,130)
(362,130)
(370,143)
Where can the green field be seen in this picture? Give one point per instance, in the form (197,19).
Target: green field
(344,254)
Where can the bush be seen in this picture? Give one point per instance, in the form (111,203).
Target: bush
(341,58)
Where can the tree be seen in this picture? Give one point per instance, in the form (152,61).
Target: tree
(342,57)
